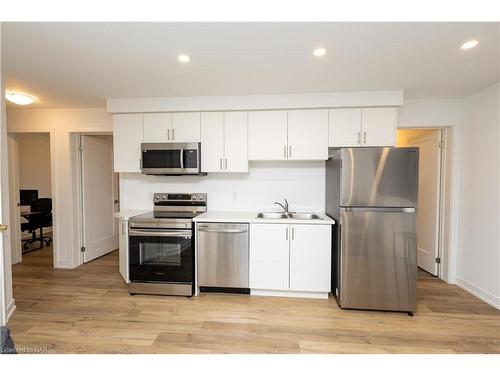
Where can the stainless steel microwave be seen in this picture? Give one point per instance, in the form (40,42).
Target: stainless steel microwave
(171,158)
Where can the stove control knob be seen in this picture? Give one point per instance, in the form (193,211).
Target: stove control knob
(200,197)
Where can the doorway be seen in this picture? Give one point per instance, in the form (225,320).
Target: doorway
(98,194)
(430,143)
(30,179)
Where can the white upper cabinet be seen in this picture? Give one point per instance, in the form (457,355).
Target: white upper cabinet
(127,139)
(362,127)
(269,256)
(157,127)
(235,142)
(310,258)
(378,126)
(185,127)
(267,135)
(344,127)
(308,134)
(212,141)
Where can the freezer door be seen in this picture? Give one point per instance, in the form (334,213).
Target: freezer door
(378,251)
(379,176)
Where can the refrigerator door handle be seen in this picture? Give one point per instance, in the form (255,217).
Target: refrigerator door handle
(379,209)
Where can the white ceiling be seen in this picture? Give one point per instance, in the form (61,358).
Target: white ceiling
(82,64)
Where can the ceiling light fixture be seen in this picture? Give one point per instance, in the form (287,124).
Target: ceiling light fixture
(470,44)
(184,58)
(318,52)
(19,98)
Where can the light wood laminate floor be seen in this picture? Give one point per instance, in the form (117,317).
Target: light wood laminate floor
(88,310)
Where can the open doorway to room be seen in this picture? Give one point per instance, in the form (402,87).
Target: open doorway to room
(97,191)
(431,143)
(30,178)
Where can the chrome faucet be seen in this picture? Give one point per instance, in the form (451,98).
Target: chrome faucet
(284,207)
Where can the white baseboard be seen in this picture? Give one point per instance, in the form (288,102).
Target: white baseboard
(288,293)
(479,292)
(10,309)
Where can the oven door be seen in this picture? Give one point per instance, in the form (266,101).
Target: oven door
(161,255)
(170,158)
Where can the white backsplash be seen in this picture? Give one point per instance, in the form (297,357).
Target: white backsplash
(302,183)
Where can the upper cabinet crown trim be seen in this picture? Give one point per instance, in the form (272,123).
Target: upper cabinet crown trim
(256,102)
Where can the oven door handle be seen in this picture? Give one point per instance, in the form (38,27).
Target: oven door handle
(151,233)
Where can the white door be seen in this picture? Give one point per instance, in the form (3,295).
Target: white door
(429,172)
(185,127)
(308,134)
(310,258)
(157,127)
(127,139)
(100,232)
(269,256)
(378,126)
(344,127)
(235,142)
(212,141)
(267,135)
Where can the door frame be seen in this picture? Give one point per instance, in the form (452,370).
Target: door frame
(447,205)
(77,178)
(14,182)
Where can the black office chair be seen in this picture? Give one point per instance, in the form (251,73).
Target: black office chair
(44,206)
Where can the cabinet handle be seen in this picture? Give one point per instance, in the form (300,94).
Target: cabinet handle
(173,134)
(364,138)
(168,134)
(220,164)
(293,233)
(225,164)
(286,234)
(359,138)
(290,151)
(284,151)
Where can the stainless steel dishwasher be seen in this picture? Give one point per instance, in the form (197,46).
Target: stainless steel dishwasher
(223,257)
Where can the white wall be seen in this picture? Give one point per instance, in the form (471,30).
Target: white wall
(478,266)
(61,123)
(34,163)
(301,183)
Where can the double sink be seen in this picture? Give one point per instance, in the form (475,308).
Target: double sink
(287,215)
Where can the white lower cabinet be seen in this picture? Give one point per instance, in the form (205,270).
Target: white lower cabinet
(269,256)
(123,250)
(290,258)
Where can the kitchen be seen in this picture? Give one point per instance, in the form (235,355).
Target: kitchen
(286,216)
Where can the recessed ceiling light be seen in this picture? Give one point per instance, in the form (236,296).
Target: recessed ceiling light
(318,52)
(469,44)
(19,98)
(183,58)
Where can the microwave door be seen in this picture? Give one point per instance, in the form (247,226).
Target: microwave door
(161,161)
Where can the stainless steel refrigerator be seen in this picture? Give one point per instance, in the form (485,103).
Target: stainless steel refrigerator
(371,192)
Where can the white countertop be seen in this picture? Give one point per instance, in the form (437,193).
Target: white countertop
(127,214)
(251,217)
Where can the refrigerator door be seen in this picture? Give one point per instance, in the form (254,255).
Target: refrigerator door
(378,254)
(379,176)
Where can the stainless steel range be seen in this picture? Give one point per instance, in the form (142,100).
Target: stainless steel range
(161,245)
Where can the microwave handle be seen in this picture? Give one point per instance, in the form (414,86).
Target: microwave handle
(182,157)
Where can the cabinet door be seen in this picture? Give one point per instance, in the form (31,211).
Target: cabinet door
(185,127)
(127,139)
(157,127)
(379,126)
(123,249)
(212,141)
(235,142)
(310,258)
(269,256)
(344,127)
(308,134)
(267,135)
